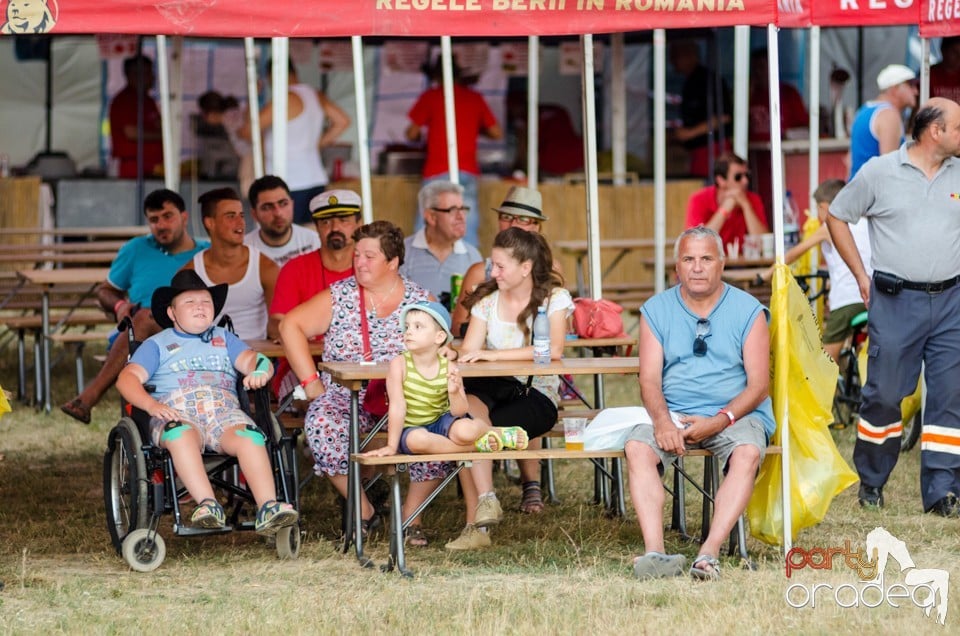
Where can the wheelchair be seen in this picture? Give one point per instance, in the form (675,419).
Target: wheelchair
(140,484)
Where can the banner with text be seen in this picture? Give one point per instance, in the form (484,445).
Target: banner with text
(332,18)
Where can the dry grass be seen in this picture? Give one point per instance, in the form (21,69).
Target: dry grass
(567,571)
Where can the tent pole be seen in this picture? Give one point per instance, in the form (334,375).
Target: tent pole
(533,111)
(450,116)
(924,70)
(618,107)
(659,157)
(590,164)
(363,144)
(814,101)
(166,123)
(741,88)
(253,105)
(281,54)
(776,152)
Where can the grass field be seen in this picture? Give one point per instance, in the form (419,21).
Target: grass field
(567,571)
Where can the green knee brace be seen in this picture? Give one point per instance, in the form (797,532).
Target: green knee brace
(173,431)
(254,434)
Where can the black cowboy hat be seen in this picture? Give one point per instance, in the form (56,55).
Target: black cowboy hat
(184,280)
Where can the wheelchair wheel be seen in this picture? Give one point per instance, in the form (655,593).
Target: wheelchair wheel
(142,552)
(911,433)
(124,482)
(288,542)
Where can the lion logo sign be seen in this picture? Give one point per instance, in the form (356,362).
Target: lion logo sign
(29,16)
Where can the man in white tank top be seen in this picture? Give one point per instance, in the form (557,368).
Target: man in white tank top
(251,275)
(313,122)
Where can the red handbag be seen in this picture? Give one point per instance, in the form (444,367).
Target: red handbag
(375,400)
(597,318)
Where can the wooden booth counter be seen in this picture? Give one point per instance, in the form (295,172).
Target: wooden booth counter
(626,211)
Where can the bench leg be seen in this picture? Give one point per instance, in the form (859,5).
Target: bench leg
(711,479)
(79,366)
(21,366)
(620,504)
(37,370)
(678,520)
(397,557)
(546,476)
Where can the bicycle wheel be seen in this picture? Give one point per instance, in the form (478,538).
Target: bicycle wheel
(911,432)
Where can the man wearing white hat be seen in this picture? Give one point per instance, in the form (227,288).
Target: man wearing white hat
(878,125)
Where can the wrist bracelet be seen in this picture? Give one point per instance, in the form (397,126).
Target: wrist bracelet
(733,418)
(311,379)
(116,305)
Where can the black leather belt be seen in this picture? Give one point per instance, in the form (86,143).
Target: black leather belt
(932,288)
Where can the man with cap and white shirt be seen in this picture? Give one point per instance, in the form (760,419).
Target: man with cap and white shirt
(272,208)
(438,251)
(878,126)
(336,214)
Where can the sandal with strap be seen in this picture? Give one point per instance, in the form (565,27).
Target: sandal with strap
(532,502)
(489,442)
(514,437)
(274,515)
(209,514)
(711,571)
(415,536)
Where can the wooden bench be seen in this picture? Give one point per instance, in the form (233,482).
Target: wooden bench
(395,465)
(79,339)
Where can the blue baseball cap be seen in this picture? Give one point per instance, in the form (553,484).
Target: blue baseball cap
(437,311)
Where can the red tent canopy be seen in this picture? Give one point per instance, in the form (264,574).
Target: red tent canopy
(864,12)
(330,18)
(939,18)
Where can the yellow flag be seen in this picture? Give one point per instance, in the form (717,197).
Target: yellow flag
(804,380)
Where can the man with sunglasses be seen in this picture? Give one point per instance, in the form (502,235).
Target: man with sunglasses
(438,251)
(704,380)
(728,207)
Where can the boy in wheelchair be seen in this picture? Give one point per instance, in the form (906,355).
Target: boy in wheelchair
(193,366)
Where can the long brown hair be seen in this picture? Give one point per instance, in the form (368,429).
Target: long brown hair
(523,246)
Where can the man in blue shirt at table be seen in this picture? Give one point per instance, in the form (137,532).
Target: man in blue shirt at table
(438,251)
(704,380)
(142,264)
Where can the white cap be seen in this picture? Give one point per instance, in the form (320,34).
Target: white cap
(894,74)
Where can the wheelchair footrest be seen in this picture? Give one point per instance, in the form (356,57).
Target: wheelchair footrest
(187,531)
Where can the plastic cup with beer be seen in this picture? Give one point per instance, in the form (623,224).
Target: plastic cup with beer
(573,428)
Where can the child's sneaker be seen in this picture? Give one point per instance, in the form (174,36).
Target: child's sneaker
(274,515)
(489,511)
(471,538)
(209,514)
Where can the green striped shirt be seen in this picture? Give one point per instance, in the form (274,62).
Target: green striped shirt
(426,399)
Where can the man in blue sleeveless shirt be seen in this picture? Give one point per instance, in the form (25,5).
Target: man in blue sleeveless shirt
(704,380)
(878,126)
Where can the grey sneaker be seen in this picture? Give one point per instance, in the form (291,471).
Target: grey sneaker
(489,512)
(471,538)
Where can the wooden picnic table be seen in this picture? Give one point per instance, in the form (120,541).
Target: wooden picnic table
(48,279)
(67,248)
(353,375)
(81,258)
(125,231)
(579,249)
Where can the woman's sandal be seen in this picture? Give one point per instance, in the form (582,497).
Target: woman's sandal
(532,502)
(709,573)
(209,514)
(415,536)
(514,437)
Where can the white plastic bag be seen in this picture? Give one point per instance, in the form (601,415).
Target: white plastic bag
(609,429)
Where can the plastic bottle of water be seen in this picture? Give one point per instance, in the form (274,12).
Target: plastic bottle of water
(541,337)
(791,218)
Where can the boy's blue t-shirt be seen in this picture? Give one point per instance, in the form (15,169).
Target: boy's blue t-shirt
(175,360)
(702,385)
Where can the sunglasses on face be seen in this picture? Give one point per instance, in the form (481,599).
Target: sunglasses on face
(519,220)
(453,209)
(741,176)
(700,344)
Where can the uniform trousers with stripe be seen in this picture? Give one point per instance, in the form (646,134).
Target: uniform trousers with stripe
(905,330)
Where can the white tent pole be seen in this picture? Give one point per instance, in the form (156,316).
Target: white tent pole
(360,91)
(618,108)
(741,88)
(170,173)
(924,70)
(450,116)
(176,109)
(533,111)
(590,165)
(814,101)
(777,166)
(281,53)
(253,103)
(659,156)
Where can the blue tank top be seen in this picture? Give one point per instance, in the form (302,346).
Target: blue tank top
(863,144)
